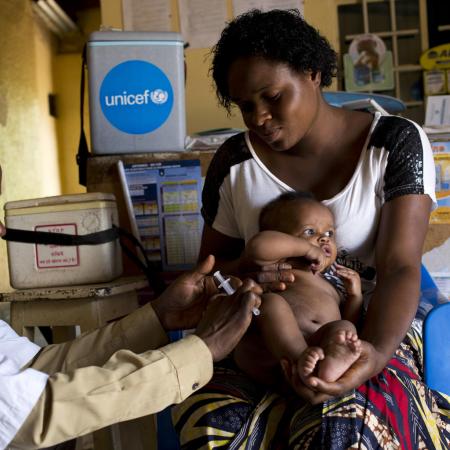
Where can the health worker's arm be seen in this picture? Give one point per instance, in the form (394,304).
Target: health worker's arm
(127,386)
(139,331)
(130,385)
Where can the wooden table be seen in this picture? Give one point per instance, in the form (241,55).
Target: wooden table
(63,308)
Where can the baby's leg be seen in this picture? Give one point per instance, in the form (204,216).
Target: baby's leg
(341,348)
(281,337)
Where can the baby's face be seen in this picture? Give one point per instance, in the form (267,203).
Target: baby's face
(315,223)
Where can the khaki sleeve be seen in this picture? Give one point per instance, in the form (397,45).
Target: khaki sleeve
(126,387)
(138,332)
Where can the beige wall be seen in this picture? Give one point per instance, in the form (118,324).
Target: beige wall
(67,75)
(28,150)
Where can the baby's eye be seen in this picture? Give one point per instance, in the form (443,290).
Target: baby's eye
(329,233)
(308,232)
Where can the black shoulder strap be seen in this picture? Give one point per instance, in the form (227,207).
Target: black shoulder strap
(83,150)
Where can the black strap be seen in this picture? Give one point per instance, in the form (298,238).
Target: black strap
(149,268)
(47,238)
(83,149)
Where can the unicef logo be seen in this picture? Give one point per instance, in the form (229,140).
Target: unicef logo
(159,97)
(136,97)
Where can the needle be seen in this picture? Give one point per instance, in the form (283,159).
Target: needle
(226,286)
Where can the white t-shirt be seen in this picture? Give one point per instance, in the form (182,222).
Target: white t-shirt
(396,160)
(19,389)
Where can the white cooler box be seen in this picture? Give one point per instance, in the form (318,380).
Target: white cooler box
(34,265)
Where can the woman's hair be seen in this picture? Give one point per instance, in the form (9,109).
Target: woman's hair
(278,35)
(271,214)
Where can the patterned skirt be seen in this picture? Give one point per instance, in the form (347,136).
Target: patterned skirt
(393,410)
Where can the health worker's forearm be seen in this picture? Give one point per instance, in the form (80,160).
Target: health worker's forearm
(139,331)
(126,387)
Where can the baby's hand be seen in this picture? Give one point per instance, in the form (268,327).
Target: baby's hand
(351,279)
(317,258)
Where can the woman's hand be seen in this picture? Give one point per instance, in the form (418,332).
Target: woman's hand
(366,366)
(273,277)
(272,255)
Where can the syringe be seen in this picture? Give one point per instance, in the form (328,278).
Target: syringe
(226,286)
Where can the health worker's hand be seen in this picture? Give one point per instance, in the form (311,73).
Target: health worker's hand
(227,318)
(182,304)
(318,390)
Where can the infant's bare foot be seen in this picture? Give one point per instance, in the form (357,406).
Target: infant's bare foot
(341,351)
(308,361)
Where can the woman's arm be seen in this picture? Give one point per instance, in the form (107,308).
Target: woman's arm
(402,230)
(227,250)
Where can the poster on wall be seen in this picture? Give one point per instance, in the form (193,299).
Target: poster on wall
(164,201)
(142,15)
(202,21)
(368,65)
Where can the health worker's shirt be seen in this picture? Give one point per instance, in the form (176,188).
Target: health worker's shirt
(19,389)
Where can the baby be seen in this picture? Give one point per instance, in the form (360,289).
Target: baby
(312,322)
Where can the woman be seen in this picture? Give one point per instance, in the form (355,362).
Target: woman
(376,174)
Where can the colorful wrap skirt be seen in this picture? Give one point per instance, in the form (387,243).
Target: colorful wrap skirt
(393,410)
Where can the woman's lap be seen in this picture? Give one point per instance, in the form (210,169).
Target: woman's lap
(393,410)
